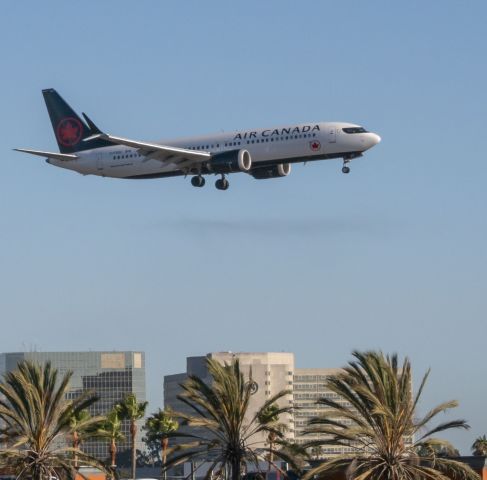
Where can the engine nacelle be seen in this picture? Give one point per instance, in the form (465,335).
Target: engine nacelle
(275,171)
(232,161)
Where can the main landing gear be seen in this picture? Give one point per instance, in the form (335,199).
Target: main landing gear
(222,183)
(198,181)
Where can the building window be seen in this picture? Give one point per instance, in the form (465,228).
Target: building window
(137,360)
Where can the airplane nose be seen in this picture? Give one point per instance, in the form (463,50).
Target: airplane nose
(375,138)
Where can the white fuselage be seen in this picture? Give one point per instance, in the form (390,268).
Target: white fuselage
(271,146)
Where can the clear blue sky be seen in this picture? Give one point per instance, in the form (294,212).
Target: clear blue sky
(392,256)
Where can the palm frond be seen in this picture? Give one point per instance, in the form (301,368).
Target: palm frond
(374,416)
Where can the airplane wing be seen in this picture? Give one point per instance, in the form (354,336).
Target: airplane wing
(56,156)
(163,153)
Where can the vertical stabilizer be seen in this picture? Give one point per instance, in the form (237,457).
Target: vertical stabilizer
(69,129)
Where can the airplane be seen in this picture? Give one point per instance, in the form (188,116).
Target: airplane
(262,153)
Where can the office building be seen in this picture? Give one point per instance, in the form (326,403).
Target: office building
(309,385)
(111,375)
(271,373)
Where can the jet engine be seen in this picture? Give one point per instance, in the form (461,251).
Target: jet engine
(274,171)
(232,161)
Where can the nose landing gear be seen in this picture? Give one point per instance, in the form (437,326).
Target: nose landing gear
(222,183)
(347,159)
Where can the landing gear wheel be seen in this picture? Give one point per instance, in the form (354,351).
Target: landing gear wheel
(198,181)
(222,184)
(346,170)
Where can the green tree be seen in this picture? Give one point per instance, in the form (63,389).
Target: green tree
(158,427)
(111,430)
(37,422)
(270,416)
(132,410)
(83,426)
(222,427)
(479,447)
(316,452)
(432,448)
(374,414)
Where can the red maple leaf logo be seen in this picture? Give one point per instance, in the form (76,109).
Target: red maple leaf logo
(315,146)
(69,131)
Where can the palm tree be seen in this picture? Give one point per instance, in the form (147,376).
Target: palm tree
(270,415)
(37,422)
(111,429)
(479,447)
(83,426)
(158,427)
(438,450)
(316,452)
(221,427)
(130,409)
(375,416)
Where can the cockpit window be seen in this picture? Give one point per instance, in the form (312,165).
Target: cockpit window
(354,130)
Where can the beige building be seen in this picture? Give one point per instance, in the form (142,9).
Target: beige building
(271,373)
(309,386)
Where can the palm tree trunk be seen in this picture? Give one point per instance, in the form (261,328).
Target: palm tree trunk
(133,433)
(271,457)
(113,452)
(113,459)
(236,469)
(164,445)
(75,446)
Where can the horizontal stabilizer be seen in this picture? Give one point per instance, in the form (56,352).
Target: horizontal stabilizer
(56,156)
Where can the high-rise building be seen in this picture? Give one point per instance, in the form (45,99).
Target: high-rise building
(271,373)
(309,385)
(111,375)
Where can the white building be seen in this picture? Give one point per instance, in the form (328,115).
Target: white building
(271,373)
